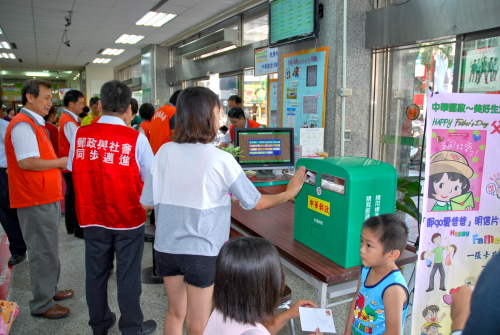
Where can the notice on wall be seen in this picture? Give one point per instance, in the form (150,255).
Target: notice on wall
(266,61)
(273,103)
(312,140)
(459,232)
(304,80)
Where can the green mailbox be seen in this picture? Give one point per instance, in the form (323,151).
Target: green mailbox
(339,194)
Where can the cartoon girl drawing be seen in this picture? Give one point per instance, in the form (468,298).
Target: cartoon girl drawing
(449,181)
(427,257)
(451,250)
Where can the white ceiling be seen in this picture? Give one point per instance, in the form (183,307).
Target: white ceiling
(37,26)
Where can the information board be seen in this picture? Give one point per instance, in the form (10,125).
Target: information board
(291,20)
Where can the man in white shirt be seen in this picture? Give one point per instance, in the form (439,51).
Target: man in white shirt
(8,216)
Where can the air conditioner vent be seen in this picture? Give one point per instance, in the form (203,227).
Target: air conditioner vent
(220,39)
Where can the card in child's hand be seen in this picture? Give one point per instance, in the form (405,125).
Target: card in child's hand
(312,318)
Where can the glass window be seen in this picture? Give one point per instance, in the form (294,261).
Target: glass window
(480,66)
(255,96)
(255,25)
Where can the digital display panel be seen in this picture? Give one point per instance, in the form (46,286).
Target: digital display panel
(291,20)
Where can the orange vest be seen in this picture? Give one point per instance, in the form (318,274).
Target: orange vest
(107,178)
(160,127)
(32,188)
(146,126)
(63,141)
(251,124)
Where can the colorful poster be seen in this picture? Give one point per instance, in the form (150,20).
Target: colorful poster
(304,79)
(480,66)
(459,231)
(266,61)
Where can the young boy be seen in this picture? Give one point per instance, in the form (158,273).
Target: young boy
(381,301)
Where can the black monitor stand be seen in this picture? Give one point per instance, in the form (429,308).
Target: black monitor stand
(265,174)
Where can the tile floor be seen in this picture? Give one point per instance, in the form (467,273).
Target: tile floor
(153,299)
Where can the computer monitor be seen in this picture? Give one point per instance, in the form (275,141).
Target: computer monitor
(265,149)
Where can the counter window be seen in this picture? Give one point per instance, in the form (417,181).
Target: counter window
(332,183)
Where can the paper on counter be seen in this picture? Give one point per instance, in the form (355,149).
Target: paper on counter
(312,318)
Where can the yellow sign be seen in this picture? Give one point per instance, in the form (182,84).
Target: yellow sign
(318,205)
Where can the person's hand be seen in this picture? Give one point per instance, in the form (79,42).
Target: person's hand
(295,184)
(294,310)
(317,332)
(63,161)
(460,307)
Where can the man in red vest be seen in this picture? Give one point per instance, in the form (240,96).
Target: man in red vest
(35,188)
(68,123)
(237,118)
(163,123)
(109,162)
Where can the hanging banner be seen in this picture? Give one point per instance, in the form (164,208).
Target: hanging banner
(266,61)
(303,83)
(459,232)
(273,103)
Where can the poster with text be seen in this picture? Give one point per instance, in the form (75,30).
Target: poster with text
(459,232)
(273,103)
(266,61)
(304,79)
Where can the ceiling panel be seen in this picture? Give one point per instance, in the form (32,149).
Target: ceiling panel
(173,9)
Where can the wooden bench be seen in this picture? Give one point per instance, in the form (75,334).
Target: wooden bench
(276,225)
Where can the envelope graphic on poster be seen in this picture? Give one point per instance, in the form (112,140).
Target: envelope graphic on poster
(461,202)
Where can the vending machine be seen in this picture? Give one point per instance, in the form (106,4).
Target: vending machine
(339,194)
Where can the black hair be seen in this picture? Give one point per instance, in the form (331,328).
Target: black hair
(223,128)
(432,308)
(135,106)
(194,116)
(236,98)
(248,280)
(72,96)
(94,100)
(391,231)
(8,109)
(32,87)
(115,97)
(146,111)
(52,110)
(236,113)
(82,115)
(86,109)
(174,97)
(452,176)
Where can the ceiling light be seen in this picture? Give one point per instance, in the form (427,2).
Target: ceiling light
(4,45)
(1,31)
(7,55)
(102,60)
(114,52)
(155,19)
(37,74)
(129,39)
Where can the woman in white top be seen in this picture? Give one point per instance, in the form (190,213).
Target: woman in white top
(188,186)
(248,284)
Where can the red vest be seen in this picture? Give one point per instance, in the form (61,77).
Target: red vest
(63,141)
(251,124)
(32,188)
(107,178)
(146,126)
(160,127)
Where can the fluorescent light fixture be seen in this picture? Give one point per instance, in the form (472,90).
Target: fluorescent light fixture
(113,52)
(7,55)
(4,45)
(101,61)
(155,19)
(129,39)
(1,31)
(37,74)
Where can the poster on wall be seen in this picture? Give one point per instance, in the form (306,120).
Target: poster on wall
(266,61)
(480,66)
(459,232)
(304,79)
(273,103)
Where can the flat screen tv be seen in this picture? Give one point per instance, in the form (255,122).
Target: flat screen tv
(292,20)
(265,148)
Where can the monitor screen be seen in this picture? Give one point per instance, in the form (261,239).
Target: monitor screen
(265,147)
(291,20)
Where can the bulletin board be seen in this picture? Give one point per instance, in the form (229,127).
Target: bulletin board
(274,119)
(303,83)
